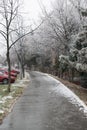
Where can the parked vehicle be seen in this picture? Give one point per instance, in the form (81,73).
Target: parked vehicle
(4,70)
(13,70)
(4,78)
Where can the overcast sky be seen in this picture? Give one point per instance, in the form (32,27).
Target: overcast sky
(32,8)
(31,11)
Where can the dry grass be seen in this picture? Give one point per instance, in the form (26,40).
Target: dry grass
(16,91)
(8,104)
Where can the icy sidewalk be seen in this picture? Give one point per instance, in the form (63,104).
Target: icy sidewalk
(70,95)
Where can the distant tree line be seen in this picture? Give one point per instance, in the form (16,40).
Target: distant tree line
(58,46)
(62,38)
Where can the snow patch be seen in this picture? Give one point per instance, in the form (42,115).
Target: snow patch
(2,102)
(6,97)
(1,111)
(4,90)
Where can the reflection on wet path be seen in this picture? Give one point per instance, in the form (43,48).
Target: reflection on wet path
(44,106)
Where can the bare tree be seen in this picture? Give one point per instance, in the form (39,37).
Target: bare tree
(60,24)
(8,13)
(21,50)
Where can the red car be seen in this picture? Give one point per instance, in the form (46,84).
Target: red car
(4,78)
(13,70)
(4,70)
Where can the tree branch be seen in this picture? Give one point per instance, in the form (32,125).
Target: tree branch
(25,35)
(1,32)
(2,24)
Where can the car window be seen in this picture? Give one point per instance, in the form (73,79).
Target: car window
(1,73)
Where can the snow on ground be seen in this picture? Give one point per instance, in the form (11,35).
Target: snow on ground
(64,91)
(1,111)
(6,97)
(21,83)
(18,83)
(2,101)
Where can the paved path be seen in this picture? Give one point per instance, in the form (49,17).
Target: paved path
(40,108)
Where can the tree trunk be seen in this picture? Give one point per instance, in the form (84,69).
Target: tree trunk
(9,69)
(23,71)
(8,61)
(73,73)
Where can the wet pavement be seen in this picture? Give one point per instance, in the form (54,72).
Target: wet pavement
(41,108)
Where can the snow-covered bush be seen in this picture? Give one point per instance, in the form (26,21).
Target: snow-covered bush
(63,59)
(81,67)
(64,62)
(73,54)
(78,54)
